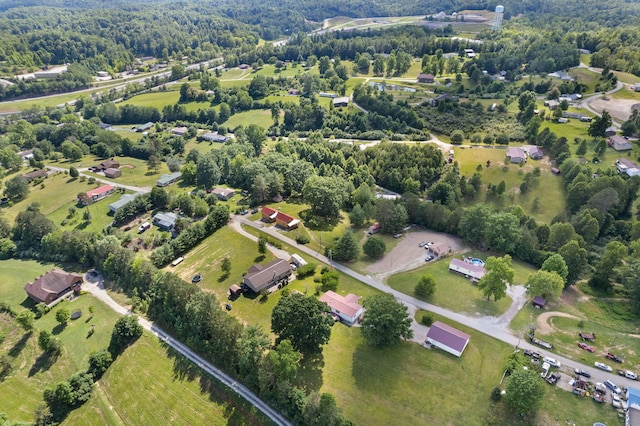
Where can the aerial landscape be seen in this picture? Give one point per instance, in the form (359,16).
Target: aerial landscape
(319,212)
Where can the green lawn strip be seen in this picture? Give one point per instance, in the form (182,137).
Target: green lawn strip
(453,291)
(156,99)
(409,384)
(260,117)
(135,172)
(149,384)
(99,215)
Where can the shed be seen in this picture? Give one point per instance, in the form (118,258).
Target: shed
(112,173)
(447,338)
(611,131)
(440,249)
(234,291)
(539,302)
(555,171)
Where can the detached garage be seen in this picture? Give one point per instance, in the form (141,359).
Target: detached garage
(447,338)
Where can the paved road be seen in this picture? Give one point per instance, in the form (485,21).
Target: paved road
(491,326)
(95,287)
(142,190)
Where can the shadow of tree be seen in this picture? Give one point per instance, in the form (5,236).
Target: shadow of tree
(223,277)
(43,363)
(316,223)
(310,373)
(19,345)
(59,328)
(259,259)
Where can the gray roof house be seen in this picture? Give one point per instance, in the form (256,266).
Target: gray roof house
(619,143)
(165,221)
(535,153)
(214,137)
(447,338)
(144,127)
(260,277)
(168,179)
(126,198)
(516,155)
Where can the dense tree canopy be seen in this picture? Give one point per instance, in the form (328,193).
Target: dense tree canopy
(386,322)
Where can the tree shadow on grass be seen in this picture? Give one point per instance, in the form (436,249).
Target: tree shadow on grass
(43,363)
(223,277)
(316,223)
(259,259)
(183,369)
(20,344)
(310,372)
(59,328)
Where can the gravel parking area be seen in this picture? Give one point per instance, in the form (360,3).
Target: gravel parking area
(408,255)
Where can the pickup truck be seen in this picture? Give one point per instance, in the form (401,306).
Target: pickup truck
(628,374)
(614,357)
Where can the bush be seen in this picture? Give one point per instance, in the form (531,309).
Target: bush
(307,270)
(427,319)
(302,239)
(496,394)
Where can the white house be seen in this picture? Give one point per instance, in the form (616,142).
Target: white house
(447,338)
(627,167)
(469,270)
(346,307)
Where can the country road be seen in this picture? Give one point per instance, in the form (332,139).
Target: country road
(138,189)
(95,287)
(491,326)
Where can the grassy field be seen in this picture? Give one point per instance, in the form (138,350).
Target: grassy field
(99,215)
(453,291)
(410,384)
(177,392)
(584,76)
(154,99)
(260,117)
(548,190)
(135,172)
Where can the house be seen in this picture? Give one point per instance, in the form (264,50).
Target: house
(52,285)
(223,194)
(563,120)
(539,302)
(443,97)
(144,127)
(552,104)
(627,167)
(342,101)
(105,126)
(346,307)
(426,78)
(168,179)
(261,277)
(97,194)
(636,87)
(26,155)
(165,221)
(106,164)
(570,97)
(440,249)
(611,131)
(619,143)
(516,155)
(35,175)
(447,338)
(327,95)
(293,92)
(214,137)
(469,270)
(112,173)
(535,153)
(281,219)
(632,417)
(179,131)
(244,66)
(125,199)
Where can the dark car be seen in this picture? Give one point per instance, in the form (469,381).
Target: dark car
(254,211)
(429,258)
(614,357)
(196,278)
(227,306)
(582,373)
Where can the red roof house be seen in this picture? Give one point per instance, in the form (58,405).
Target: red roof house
(97,194)
(346,307)
(447,338)
(281,219)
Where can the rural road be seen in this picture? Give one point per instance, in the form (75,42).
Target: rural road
(495,327)
(142,190)
(96,288)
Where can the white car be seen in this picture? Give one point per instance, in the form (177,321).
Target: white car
(617,403)
(603,366)
(552,362)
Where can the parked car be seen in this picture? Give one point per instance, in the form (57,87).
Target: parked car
(582,373)
(552,362)
(422,244)
(398,235)
(616,402)
(628,374)
(614,357)
(429,258)
(586,347)
(254,211)
(615,389)
(244,212)
(603,366)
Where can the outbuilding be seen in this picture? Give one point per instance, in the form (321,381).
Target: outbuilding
(539,302)
(447,338)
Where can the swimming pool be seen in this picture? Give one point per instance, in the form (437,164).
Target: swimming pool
(477,262)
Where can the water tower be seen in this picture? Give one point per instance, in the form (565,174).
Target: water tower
(497,18)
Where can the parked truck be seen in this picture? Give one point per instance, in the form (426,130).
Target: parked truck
(541,343)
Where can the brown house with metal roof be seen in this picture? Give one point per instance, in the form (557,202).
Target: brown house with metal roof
(260,277)
(35,175)
(52,285)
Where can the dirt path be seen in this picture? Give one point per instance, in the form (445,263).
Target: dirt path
(543,321)
(279,253)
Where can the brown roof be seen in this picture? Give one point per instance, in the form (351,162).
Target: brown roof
(110,164)
(260,277)
(51,284)
(35,174)
(448,336)
(440,248)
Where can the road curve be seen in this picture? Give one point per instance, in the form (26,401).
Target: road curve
(490,326)
(96,288)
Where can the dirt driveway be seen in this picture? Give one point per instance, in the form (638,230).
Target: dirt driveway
(408,255)
(620,109)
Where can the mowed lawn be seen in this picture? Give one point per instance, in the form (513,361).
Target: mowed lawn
(158,99)
(548,190)
(150,384)
(408,384)
(135,172)
(260,117)
(453,291)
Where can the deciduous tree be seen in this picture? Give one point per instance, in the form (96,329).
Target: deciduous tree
(546,284)
(374,247)
(386,322)
(524,391)
(426,287)
(556,263)
(499,274)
